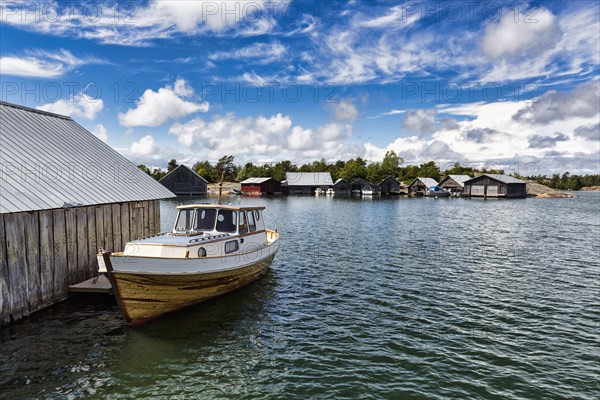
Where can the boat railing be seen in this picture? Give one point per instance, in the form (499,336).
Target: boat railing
(202,239)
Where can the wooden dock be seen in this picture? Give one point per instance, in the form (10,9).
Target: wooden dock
(98,284)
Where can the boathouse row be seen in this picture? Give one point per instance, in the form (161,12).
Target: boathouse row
(64,194)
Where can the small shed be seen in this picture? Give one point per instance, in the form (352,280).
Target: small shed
(419,186)
(261,186)
(64,194)
(495,185)
(306,182)
(341,187)
(454,183)
(389,186)
(183,181)
(362,184)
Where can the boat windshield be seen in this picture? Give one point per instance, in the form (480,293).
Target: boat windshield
(184,221)
(205,219)
(227,221)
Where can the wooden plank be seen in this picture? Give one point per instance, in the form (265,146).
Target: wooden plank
(116,228)
(71,228)
(107,228)
(100,239)
(125,223)
(147,229)
(61,259)
(46,257)
(136,216)
(4,278)
(17,264)
(157,224)
(98,284)
(31,226)
(92,241)
(82,246)
(151,220)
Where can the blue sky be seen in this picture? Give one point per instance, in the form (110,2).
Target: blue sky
(510,84)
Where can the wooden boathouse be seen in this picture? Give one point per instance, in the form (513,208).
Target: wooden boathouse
(259,186)
(420,185)
(306,182)
(362,185)
(495,185)
(183,181)
(63,195)
(341,187)
(389,186)
(454,183)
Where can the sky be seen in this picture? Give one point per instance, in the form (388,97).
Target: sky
(485,83)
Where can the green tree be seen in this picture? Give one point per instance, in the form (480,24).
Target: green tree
(172,165)
(354,169)
(226,166)
(390,164)
(144,168)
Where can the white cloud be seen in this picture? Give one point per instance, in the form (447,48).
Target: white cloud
(145,147)
(262,53)
(526,35)
(100,132)
(155,108)
(262,138)
(421,121)
(80,106)
(346,111)
(44,64)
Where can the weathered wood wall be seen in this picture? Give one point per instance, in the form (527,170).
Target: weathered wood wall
(43,252)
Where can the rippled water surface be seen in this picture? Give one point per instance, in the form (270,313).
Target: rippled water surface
(383,298)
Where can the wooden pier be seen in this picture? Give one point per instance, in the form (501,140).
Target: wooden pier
(99,284)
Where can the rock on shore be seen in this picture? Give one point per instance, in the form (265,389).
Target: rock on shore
(535,189)
(590,189)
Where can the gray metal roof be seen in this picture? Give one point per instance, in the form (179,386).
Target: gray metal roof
(308,179)
(255,181)
(49,161)
(460,179)
(429,182)
(186,167)
(502,178)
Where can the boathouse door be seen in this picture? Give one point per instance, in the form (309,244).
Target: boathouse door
(477,190)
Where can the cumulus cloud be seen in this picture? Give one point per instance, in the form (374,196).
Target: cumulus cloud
(346,111)
(155,108)
(80,106)
(583,101)
(527,35)
(144,147)
(544,142)
(421,121)
(262,138)
(100,132)
(588,132)
(480,135)
(44,64)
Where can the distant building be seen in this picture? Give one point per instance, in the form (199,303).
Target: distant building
(420,185)
(306,182)
(454,183)
(362,184)
(341,187)
(389,186)
(183,181)
(64,194)
(495,185)
(261,186)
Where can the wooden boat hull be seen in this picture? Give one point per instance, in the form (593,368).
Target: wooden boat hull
(143,297)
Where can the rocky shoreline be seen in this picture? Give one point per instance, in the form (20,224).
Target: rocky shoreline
(590,189)
(538,190)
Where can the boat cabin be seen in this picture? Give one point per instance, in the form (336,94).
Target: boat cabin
(207,230)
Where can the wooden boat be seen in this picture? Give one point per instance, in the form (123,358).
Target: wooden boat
(212,250)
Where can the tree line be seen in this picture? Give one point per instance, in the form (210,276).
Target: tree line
(391,165)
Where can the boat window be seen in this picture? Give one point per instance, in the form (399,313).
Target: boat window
(184,221)
(251,223)
(201,252)
(227,221)
(257,215)
(232,246)
(243,224)
(205,219)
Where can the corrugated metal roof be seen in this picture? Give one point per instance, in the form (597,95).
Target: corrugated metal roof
(460,179)
(429,182)
(49,161)
(186,167)
(308,178)
(255,181)
(502,178)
